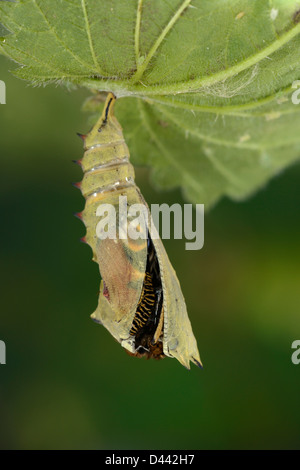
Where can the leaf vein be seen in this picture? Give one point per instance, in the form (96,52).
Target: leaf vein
(232,110)
(140,70)
(192,86)
(206,138)
(181,168)
(52,29)
(89,36)
(138,31)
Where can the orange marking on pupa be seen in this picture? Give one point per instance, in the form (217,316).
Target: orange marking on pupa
(82,136)
(78,215)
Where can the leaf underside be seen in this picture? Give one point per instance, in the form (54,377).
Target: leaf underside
(206,85)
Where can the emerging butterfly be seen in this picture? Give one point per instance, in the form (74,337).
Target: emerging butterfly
(140,300)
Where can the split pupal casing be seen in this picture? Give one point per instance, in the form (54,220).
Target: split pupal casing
(108,174)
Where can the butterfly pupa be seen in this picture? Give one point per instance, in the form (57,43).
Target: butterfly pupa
(140,299)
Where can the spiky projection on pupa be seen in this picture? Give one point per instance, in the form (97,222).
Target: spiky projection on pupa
(140,300)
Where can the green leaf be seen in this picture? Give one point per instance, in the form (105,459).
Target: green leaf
(3,31)
(206,84)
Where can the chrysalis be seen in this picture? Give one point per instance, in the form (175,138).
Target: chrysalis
(140,299)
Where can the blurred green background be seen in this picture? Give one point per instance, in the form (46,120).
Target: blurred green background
(67,384)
